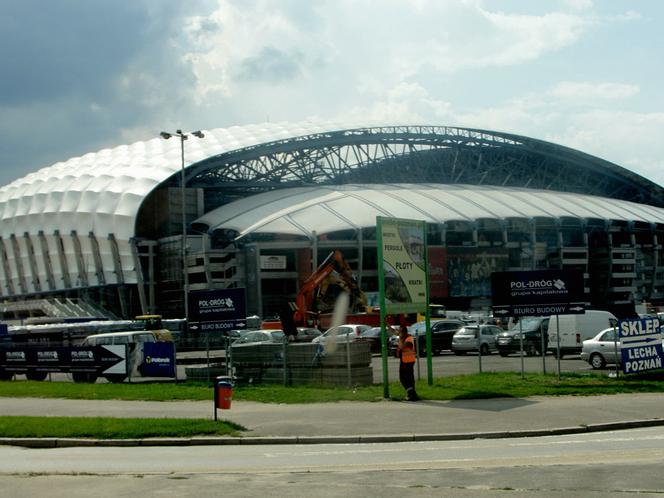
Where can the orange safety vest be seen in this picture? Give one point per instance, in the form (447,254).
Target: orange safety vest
(408,350)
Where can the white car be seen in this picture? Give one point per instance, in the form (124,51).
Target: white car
(343,333)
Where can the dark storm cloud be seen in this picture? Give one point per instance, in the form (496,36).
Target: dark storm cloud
(77,72)
(54,48)
(269,65)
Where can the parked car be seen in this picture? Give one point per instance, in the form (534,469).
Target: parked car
(134,341)
(120,338)
(442,332)
(393,344)
(532,328)
(260,336)
(466,339)
(574,329)
(601,349)
(348,332)
(307,334)
(372,336)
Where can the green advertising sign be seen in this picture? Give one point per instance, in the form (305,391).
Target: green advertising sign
(402,275)
(402,278)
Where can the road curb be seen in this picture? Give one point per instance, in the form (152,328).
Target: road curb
(43,443)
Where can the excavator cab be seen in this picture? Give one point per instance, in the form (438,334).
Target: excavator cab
(319,292)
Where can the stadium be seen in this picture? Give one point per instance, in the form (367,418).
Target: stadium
(258,207)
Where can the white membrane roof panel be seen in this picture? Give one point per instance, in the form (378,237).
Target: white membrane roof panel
(134,169)
(324,209)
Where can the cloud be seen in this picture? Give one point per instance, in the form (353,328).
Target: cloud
(584,91)
(257,42)
(50,57)
(404,103)
(630,139)
(270,65)
(579,4)
(76,73)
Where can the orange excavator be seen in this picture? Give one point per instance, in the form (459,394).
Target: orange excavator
(319,291)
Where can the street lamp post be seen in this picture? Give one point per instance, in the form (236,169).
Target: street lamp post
(183,248)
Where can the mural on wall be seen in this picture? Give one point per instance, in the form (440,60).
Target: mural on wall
(469,270)
(437,272)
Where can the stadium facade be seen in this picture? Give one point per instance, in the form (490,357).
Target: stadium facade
(264,204)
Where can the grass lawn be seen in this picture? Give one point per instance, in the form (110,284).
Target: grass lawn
(113,428)
(476,386)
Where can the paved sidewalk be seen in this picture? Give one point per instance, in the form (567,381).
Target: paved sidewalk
(353,421)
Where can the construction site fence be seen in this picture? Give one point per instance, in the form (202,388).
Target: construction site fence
(286,363)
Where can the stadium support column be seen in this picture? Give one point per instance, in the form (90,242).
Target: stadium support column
(533,243)
(36,282)
(18,264)
(9,285)
(48,264)
(360,256)
(119,273)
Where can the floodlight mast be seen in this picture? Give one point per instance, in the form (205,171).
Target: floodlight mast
(183,248)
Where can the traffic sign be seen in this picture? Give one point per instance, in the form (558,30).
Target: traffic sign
(539,310)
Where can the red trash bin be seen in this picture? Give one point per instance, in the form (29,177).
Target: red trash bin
(224,395)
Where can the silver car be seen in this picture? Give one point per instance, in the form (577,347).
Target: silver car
(466,339)
(343,333)
(254,336)
(602,349)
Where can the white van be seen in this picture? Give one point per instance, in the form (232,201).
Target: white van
(134,340)
(574,329)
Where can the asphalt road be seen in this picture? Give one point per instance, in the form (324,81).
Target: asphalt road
(604,464)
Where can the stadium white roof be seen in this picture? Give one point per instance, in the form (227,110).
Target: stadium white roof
(305,210)
(102,192)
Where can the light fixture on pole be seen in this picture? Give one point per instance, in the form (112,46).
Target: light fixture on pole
(183,249)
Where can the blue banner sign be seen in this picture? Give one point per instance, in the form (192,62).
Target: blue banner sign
(158,359)
(640,345)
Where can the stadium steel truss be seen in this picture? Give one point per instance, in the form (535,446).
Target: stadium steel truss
(418,154)
(106,225)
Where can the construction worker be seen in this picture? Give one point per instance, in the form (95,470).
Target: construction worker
(406,354)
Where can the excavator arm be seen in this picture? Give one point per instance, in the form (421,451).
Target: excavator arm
(334,270)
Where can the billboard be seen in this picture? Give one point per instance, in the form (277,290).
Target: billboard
(219,309)
(469,270)
(640,345)
(158,359)
(537,293)
(99,360)
(403,272)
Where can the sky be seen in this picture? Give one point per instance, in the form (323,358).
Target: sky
(79,76)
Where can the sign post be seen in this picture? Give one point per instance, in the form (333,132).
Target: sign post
(402,278)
